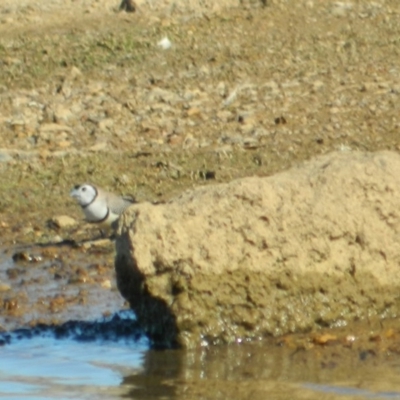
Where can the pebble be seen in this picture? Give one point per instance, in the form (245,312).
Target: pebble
(4,287)
(63,114)
(45,128)
(63,221)
(164,43)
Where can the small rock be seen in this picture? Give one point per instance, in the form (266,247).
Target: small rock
(25,256)
(27,230)
(63,221)
(105,124)
(11,60)
(62,114)
(56,239)
(341,9)
(100,146)
(193,111)
(106,284)
(325,338)
(222,89)
(64,144)
(54,128)
(164,43)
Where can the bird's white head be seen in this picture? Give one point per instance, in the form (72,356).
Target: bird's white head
(84,194)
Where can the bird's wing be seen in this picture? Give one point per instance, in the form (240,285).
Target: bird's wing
(118,204)
(129,198)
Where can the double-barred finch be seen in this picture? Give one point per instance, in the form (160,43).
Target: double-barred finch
(98,205)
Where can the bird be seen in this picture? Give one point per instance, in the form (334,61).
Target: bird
(100,206)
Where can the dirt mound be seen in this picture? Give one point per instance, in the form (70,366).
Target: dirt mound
(314,246)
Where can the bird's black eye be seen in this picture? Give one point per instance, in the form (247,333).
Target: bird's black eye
(84,189)
(76,187)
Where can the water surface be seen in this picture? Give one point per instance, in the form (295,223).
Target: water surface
(49,368)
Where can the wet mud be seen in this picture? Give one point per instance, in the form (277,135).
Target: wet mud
(51,284)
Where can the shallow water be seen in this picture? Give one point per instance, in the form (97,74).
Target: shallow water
(45,368)
(54,284)
(48,368)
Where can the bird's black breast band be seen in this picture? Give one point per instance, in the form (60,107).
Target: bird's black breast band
(94,198)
